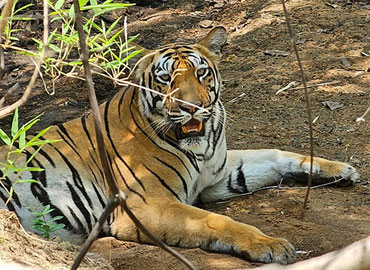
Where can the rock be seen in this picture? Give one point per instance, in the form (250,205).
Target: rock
(365,39)
(276,53)
(332,105)
(345,62)
(206,23)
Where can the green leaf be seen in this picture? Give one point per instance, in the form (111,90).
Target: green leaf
(132,55)
(113,25)
(25,127)
(38,135)
(56,227)
(5,137)
(22,140)
(15,123)
(22,19)
(55,48)
(47,209)
(113,38)
(57,218)
(71,12)
(10,169)
(59,4)
(22,8)
(28,181)
(33,169)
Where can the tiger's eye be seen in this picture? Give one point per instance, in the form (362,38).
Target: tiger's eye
(165,77)
(201,72)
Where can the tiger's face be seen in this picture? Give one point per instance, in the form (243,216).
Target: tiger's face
(189,86)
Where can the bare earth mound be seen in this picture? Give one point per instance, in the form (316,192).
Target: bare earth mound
(333,38)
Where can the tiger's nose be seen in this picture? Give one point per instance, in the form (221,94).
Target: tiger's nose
(190,108)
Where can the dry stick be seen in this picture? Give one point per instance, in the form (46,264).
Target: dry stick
(362,118)
(27,92)
(117,196)
(5,13)
(292,39)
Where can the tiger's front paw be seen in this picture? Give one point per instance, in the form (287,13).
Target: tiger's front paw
(349,175)
(342,172)
(270,250)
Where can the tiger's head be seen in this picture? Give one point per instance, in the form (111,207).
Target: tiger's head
(187,78)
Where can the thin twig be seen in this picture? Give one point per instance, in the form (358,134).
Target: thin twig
(5,14)
(285,88)
(362,118)
(308,103)
(315,85)
(35,74)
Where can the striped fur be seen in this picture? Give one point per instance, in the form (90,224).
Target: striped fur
(166,155)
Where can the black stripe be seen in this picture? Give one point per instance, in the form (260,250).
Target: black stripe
(164,184)
(44,154)
(106,122)
(138,237)
(124,181)
(40,176)
(76,178)
(100,198)
(178,174)
(10,205)
(62,128)
(81,229)
(80,205)
(222,166)
(241,179)
(73,147)
(230,186)
(84,127)
(120,103)
(97,166)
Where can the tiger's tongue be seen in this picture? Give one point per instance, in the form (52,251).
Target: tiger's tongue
(192,125)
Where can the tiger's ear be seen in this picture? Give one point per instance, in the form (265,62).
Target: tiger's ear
(215,40)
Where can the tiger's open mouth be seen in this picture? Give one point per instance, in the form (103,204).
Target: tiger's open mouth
(189,129)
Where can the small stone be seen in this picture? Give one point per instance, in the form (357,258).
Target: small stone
(277,53)
(206,24)
(365,39)
(332,105)
(345,62)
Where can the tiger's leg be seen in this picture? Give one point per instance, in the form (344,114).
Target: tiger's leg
(186,226)
(250,170)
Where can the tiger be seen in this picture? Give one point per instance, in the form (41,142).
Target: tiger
(167,150)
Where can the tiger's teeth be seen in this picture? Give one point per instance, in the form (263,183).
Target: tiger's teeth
(199,128)
(185,130)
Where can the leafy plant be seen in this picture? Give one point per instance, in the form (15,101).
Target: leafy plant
(44,226)
(9,28)
(109,52)
(17,143)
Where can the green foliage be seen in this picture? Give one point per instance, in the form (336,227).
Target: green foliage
(18,143)
(9,30)
(109,53)
(44,226)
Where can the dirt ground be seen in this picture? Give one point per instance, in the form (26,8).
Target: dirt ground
(334,45)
